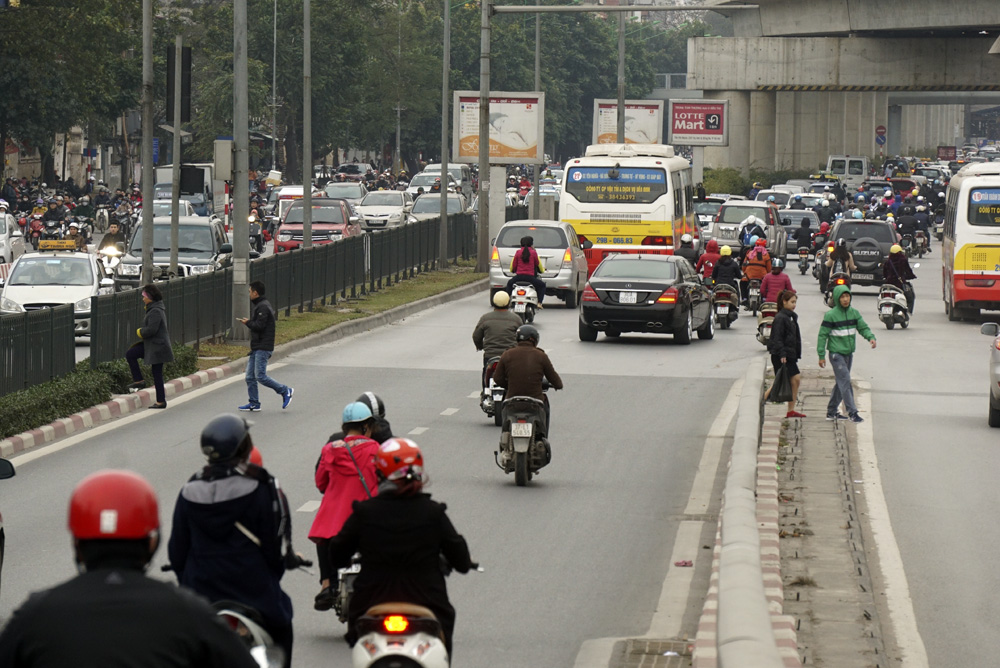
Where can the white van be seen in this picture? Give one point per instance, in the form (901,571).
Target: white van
(461,173)
(852,169)
(971,244)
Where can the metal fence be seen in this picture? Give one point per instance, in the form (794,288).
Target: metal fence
(38,346)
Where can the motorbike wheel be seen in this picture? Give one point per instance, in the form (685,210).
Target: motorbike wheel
(905,323)
(724,322)
(889,324)
(522,475)
(529,315)
(802,270)
(498,415)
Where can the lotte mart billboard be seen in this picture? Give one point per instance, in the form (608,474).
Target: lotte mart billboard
(699,122)
(643,122)
(517,128)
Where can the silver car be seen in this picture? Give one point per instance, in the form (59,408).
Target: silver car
(993,329)
(559,250)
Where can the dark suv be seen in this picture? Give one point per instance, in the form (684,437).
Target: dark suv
(203,247)
(869,242)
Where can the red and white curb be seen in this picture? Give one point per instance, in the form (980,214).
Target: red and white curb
(705,653)
(118,406)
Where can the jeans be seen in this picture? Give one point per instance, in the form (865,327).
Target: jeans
(132,356)
(257,373)
(842,391)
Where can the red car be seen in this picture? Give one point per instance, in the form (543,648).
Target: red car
(332,220)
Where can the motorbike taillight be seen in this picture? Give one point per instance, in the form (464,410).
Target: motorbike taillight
(395,623)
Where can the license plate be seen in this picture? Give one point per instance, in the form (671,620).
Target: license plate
(723,309)
(886,310)
(627,297)
(754,291)
(864,277)
(520,429)
(519,308)
(767,331)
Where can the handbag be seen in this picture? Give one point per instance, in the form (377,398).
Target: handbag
(781,389)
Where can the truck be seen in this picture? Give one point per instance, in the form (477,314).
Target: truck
(197,178)
(852,169)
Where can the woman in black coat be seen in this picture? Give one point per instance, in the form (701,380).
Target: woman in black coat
(401,534)
(154,346)
(785,345)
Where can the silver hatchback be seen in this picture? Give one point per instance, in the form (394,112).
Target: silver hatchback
(559,250)
(993,329)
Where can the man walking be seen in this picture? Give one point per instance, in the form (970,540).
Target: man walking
(839,327)
(261,325)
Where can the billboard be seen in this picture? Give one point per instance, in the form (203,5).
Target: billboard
(947,153)
(517,128)
(699,122)
(643,122)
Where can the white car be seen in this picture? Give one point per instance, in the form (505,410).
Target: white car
(429,206)
(425,180)
(11,240)
(382,209)
(162,207)
(54,277)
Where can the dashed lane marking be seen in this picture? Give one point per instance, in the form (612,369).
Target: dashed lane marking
(416,431)
(309,507)
(449,411)
(474,395)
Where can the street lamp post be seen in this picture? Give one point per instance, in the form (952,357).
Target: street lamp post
(445,157)
(307,171)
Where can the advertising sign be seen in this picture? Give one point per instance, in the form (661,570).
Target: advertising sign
(699,122)
(517,128)
(643,122)
(947,153)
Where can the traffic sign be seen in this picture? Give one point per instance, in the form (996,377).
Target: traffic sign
(880,131)
(880,140)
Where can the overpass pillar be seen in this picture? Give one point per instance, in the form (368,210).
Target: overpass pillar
(894,131)
(737,154)
(762,129)
(784,130)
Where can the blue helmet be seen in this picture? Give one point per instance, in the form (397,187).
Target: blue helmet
(356,412)
(770,198)
(858,214)
(798,198)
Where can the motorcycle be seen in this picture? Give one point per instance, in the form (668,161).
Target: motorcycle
(345,587)
(835,280)
(920,243)
(491,395)
(248,625)
(907,243)
(52,231)
(726,303)
(820,251)
(102,217)
(524,301)
(803,260)
(110,259)
(36,227)
(892,307)
(753,295)
(765,320)
(524,448)
(256,236)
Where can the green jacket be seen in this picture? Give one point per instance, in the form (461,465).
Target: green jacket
(839,327)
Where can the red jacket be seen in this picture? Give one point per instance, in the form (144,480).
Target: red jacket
(773,284)
(337,477)
(706,263)
(529,268)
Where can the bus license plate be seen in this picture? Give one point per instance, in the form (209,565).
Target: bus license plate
(519,308)
(626,297)
(520,429)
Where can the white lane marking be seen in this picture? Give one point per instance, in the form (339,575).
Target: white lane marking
(449,411)
(897,590)
(309,507)
(416,431)
(474,395)
(669,615)
(568,340)
(75,439)
(704,480)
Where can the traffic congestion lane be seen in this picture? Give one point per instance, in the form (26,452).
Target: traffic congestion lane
(578,554)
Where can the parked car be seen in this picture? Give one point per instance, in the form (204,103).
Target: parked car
(558,248)
(990,329)
(6,471)
(332,220)
(203,247)
(383,209)
(656,294)
(352,191)
(731,215)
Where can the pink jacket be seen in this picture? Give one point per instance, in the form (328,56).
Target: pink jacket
(337,477)
(773,284)
(526,268)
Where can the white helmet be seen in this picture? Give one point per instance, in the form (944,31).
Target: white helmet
(3,204)
(825,202)
(687,239)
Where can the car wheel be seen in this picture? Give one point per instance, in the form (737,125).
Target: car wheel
(707,331)
(571,298)
(587,333)
(994,420)
(683,337)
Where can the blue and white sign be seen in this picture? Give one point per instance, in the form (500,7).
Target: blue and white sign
(880,139)
(624,175)
(156,150)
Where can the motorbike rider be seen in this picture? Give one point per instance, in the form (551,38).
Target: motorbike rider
(77,238)
(906,225)
(803,236)
(896,271)
(727,270)
(907,208)
(825,212)
(113,237)
(797,203)
(752,226)
(84,208)
(401,534)
(756,265)
(230,523)
(841,261)
(775,282)
(756,188)
(924,225)
(54,212)
(526,266)
(708,260)
(687,250)
(111,614)
(39,207)
(496,331)
(6,219)
(523,367)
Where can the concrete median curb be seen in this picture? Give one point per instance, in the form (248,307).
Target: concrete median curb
(121,405)
(742,622)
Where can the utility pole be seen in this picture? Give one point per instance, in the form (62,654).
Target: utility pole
(307,170)
(445,153)
(621,78)
(536,198)
(241,188)
(175,194)
(483,247)
(274,86)
(147,141)
(397,164)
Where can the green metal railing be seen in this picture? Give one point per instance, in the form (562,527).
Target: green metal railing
(38,346)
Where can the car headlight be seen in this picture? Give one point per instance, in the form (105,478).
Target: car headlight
(82,306)
(395,216)
(130,269)
(10,305)
(202,269)
(285,236)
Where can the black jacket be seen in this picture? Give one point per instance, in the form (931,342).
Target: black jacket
(727,271)
(261,324)
(786,340)
(118,617)
(803,237)
(155,335)
(401,540)
(687,252)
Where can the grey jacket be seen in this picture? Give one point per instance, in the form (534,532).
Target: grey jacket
(155,336)
(495,332)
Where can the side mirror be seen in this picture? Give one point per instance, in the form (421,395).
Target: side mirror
(587,244)
(354,220)
(254,255)
(6,469)
(225,249)
(107,283)
(989,329)
(16,233)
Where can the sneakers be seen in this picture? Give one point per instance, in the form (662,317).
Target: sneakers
(856,419)
(323,600)
(794,414)
(249,407)
(286,397)
(835,416)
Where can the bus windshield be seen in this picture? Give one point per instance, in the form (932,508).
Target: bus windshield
(607,185)
(984,207)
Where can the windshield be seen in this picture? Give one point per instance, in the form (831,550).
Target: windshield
(432,204)
(656,269)
(607,185)
(984,207)
(854,231)
(737,214)
(780,198)
(52,271)
(164,209)
(321,213)
(347,190)
(425,180)
(383,198)
(705,208)
(544,237)
(192,239)
(792,218)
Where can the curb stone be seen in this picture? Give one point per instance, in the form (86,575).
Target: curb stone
(124,404)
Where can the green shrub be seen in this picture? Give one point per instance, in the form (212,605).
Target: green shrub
(732,181)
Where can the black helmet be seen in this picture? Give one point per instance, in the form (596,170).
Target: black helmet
(373,402)
(841,243)
(528,333)
(225,438)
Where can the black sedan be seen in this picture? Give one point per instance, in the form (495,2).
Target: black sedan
(658,294)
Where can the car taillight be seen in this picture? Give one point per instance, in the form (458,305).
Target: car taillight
(654,241)
(495,258)
(980,282)
(395,623)
(996,344)
(567,257)
(589,295)
(669,296)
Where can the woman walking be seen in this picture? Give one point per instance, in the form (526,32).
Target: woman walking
(154,346)
(785,346)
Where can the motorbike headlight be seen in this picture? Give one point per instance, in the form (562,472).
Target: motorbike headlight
(202,269)
(130,269)
(10,305)
(82,305)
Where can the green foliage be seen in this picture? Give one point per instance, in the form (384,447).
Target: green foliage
(732,181)
(185,363)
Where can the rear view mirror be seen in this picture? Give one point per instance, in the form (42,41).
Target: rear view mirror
(990,329)
(6,469)
(587,244)
(225,249)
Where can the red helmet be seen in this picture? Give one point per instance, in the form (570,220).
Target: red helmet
(113,505)
(762,242)
(823,227)
(400,458)
(256,458)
